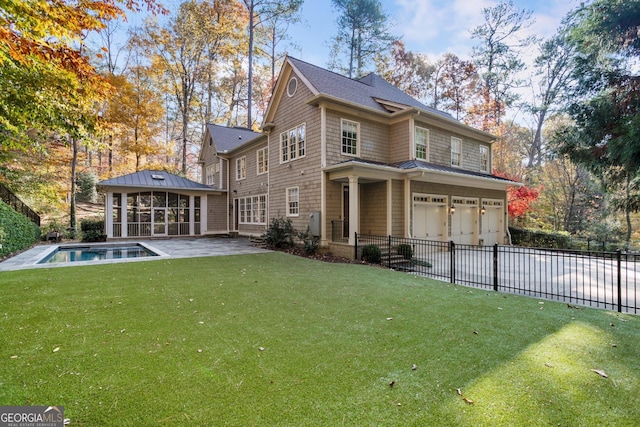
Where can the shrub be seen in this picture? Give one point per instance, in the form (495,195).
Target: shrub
(372,253)
(405,250)
(279,234)
(93,230)
(17,232)
(309,242)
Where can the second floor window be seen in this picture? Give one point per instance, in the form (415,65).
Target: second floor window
(484,158)
(262,160)
(350,134)
(241,168)
(211,175)
(456,152)
(422,143)
(292,144)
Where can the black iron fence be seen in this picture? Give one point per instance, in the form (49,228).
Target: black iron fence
(12,200)
(609,280)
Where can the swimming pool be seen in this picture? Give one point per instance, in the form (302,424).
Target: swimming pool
(76,253)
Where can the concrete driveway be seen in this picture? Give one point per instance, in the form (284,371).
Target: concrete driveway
(166,248)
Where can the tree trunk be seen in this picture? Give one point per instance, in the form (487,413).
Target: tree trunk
(250,58)
(72,205)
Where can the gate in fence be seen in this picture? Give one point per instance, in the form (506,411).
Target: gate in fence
(609,280)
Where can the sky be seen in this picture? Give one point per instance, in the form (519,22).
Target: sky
(430,27)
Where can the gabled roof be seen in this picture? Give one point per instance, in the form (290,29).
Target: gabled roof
(367,91)
(229,138)
(154,180)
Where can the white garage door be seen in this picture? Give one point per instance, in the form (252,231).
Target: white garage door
(429,217)
(464,221)
(492,222)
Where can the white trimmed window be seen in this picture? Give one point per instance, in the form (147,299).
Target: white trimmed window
(293,201)
(210,173)
(253,210)
(292,144)
(241,168)
(350,137)
(422,143)
(262,160)
(456,152)
(484,158)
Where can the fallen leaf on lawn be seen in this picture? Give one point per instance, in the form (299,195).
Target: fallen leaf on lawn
(414,367)
(14,357)
(574,306)
(399,404)
(459,392)
(469,401)
(199,350)
(389,318)
(261,348)
(56,349)
(475,332)
(391,383)
(600,372)
(548,365)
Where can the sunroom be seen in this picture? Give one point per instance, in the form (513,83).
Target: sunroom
(154,204)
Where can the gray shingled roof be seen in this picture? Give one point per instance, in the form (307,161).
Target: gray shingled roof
(229,138)
(363,91)
(154,180)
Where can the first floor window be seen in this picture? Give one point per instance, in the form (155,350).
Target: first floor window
(484,158)
(456,152)
(422,142)
(293,201)
(241,168)
(349,137)
(253,210)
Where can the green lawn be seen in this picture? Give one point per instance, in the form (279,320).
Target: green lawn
(274,339)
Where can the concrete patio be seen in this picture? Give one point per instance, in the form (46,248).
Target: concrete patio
(167,248)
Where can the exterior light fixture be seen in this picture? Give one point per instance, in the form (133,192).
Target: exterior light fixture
(452,209)
(483,210)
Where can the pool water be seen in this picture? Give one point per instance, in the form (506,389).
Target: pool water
(93,253)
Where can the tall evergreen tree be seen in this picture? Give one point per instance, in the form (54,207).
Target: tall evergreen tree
(606,99)
(363,32)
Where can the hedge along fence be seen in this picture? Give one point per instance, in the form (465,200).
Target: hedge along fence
(554,240)
(17,232)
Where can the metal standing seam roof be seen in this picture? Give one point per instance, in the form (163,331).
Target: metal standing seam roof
(419,164)
(363,91)
(152,179)
(229,138)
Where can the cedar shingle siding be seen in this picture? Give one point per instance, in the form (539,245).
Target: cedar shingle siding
(384,168)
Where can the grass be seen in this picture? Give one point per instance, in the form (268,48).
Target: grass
(274,339)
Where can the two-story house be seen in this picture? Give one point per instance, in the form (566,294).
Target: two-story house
(347,156)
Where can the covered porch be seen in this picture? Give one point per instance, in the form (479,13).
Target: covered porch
(154,204)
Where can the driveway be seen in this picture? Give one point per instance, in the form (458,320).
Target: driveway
(167,248)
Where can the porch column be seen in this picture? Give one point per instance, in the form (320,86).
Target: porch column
(125,213)
(389,207)
(203,214)
(108,215)
(354,209)
(192,216)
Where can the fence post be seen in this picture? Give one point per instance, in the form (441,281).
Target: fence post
(495,267)
(389,252)
(452,251)
(355,255)
(619,261)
